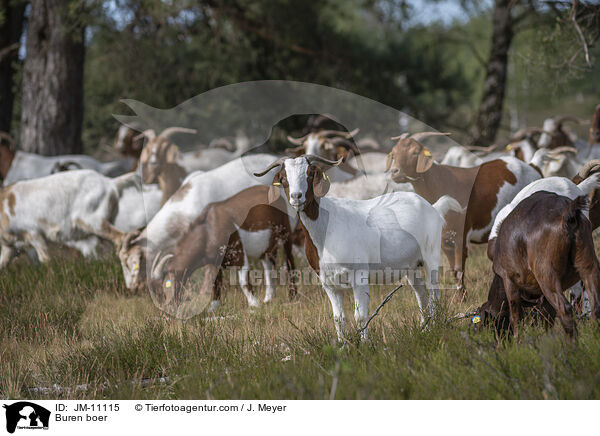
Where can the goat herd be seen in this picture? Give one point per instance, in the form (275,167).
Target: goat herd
(535,202)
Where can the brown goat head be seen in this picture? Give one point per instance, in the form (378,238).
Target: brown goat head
(409,158)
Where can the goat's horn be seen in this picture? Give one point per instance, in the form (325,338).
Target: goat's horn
(312,159)
(129,237)
(159,265)
(150,134)
(275,164)
(403,136)
(563,149)
(587,168)
(562,119)
(297,141)
(340,133)
(485,150)
(422,135)
(170,130)
(464,315)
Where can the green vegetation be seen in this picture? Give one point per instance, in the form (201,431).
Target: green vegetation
(72,322)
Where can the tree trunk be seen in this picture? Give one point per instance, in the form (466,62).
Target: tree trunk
(492,99)
(10,36)
(52,105)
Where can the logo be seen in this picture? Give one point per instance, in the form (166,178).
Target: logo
(26,415)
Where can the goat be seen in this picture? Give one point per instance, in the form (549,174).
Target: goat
(138,203)
(483,190)
(554,134)
(544,246)
(228,233)
(159,161)
(128,142)
(169,225)
(347,237)
(16,165)
(74,208)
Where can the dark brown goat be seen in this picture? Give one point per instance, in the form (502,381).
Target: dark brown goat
(544,246)
(214,240)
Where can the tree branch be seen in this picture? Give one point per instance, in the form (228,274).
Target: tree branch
(580,33)
(383,303)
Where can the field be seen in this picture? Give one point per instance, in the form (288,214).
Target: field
(72,328)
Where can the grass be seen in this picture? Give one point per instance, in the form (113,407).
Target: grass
(72,323)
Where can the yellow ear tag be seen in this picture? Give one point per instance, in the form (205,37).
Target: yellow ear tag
(508,147)
(427,153)
(168,283)
(326,177)
(136,267)
(276,184)
(476,319)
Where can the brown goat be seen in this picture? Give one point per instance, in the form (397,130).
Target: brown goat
(127,142)
(215,239)
(159,162)
(483,190)
(544,246)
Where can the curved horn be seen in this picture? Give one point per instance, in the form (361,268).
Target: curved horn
(465,315)
(312,159)
(403,136)
(563,149)
(422,135)
(484,150)
(159,265)
(170,130)
(297,141)
(8,138)
(150,134)
(126,243)
(275,164)
(564,118)
(585,170)
(340,133)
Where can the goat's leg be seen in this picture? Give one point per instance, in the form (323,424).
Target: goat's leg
(514,304)
(591,280)
(291,269)
(432,282)
(38,242)
(421,293)
(243,276)
(7,253)
(336,297)
(553,293)
(361,308)
(216,288)
(268,267)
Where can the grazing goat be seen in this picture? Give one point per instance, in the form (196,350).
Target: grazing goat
(74,208)
(18,165)
(169,225)
(543,247)
(138,203)
(228,233)
(346,239)
(483,190)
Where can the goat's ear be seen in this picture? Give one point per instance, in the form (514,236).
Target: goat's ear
(321,183)
(424,161)
(275,189)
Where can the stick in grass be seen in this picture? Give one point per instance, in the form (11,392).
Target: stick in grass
(385,300)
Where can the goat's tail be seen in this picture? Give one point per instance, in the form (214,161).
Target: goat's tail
(126,180)
(445,204)
(574,212)
(590,184)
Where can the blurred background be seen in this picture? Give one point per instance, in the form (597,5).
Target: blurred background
(479,69)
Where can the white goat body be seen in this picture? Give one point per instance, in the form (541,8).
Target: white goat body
(27,166)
